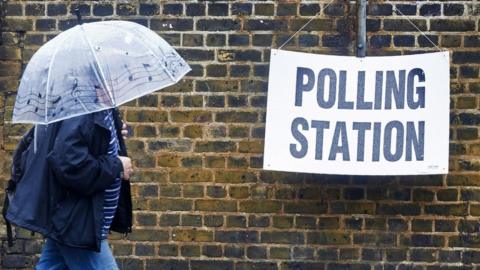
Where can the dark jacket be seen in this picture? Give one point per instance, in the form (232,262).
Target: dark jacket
(61,192)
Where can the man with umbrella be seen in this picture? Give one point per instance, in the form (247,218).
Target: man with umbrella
(72,179)
(88,160)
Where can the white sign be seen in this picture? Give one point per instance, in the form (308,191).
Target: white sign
(358,116)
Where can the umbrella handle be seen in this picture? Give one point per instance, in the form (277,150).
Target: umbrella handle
(79,17)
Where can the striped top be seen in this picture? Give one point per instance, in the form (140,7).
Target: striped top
(112,193)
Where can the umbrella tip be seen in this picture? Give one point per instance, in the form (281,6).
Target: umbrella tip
(79,17)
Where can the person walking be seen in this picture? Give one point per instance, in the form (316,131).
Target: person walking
(89,160)
(75,189)
(71,183)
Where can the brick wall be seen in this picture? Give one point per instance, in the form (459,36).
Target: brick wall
(201,199)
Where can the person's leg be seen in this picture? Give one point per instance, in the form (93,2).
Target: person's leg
(82,259)
(51,258)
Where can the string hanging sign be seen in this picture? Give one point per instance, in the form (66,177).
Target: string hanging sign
(384,115)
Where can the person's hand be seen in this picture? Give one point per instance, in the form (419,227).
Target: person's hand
(127,167)
(124,131)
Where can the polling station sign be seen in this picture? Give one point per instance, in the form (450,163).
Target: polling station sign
(384,115)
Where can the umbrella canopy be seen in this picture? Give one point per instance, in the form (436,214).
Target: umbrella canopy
(93,67)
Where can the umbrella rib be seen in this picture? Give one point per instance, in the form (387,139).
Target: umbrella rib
(150,50)
(48,76)
(102,76)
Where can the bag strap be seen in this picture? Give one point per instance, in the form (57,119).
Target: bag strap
(6,203)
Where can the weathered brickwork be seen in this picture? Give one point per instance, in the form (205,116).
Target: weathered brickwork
(202,200)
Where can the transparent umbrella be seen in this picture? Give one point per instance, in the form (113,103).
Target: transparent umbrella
(93,67)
